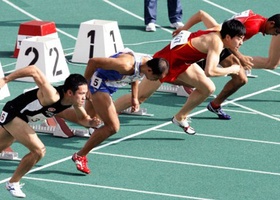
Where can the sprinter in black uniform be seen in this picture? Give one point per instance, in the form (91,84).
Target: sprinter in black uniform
(38,104)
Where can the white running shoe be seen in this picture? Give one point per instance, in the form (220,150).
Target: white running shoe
(176,25)
(151,27)
(184,125)
(15,189)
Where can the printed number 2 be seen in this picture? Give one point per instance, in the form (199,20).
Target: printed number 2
(36,58)
(55,71)
(36,54)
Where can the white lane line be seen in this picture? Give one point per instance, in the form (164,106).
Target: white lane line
(222,137)
(191,164)
(117,188)
(36,18)
(221,7)
(134,15)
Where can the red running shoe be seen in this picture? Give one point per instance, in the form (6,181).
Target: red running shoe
(81,163)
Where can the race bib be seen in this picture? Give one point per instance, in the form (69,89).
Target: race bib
(181,38)
(243,14)
(95,81)
(3,116)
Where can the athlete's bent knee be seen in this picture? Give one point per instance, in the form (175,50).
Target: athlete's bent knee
(39,153)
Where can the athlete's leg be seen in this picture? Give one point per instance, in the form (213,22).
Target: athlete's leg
(194,76)
(273,59)
(6,139)
(232,85)
(145,89)
(24,134)
(104,107)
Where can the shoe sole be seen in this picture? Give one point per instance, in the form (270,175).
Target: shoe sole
(219,116)
(182,127)
(78,169)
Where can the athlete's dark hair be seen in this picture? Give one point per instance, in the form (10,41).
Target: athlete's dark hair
(232,28)
(73,81)
(276,19)
(158,65)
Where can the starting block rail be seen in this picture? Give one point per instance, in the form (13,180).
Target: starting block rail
(59,128)
(56,131)
(142,112)
(176,89)
(9,154)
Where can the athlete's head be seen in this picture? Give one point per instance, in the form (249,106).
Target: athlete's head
(233,33)
(159,68)
(233,28)
(272,26)
(73,81)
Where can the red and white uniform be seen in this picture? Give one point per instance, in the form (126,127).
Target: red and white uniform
(180,54)
(253,23)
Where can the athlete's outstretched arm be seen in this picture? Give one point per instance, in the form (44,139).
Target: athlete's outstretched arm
(123,64)
(46,91)
(200,16)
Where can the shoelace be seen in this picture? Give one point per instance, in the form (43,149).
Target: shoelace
(221,112)
(20,186)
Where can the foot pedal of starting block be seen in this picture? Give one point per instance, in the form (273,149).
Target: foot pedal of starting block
(184,91)
(168,88)
(81,133)
(9,154)
(142,111)
(61,128)
(249,74)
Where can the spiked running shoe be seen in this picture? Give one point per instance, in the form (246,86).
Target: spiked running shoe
(15,189)
(184,125)
(221,114)
(81,163)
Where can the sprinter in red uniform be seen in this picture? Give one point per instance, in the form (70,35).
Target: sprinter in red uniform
(254,24)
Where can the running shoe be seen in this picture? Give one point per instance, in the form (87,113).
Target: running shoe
(219,111)
(81,163)
(176,25)
(184,125)
(151,27)
(15,189)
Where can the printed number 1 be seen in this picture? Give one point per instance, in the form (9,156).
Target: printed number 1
(91,35)
(114,41)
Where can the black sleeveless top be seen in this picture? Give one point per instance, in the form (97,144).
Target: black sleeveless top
(27,107)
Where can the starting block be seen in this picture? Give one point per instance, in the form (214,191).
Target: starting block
(97,38)
(59,128)
(9,154)
(34,28)
(178,90)
(47,54)
(4,91)
(142,111)
(249,74)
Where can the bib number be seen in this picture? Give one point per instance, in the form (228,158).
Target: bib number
(241,15)
(3,116)
(95,82)
(181,38)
